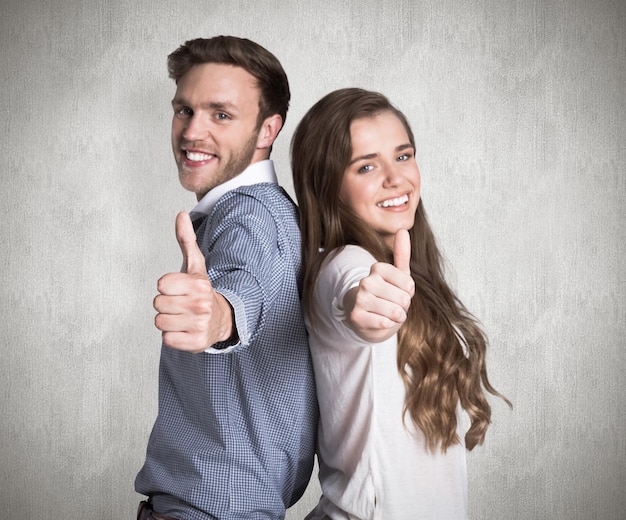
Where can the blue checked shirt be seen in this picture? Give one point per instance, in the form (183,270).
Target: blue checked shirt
(235,434)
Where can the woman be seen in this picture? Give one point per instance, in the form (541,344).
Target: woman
(397,356)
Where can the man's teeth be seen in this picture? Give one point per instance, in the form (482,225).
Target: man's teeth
(399,201)
(198,156)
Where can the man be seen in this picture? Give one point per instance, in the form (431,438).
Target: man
(235,432)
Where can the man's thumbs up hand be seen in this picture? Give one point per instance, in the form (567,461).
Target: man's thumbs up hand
(193,259)
(191,315)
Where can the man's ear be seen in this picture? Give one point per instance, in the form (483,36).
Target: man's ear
(269,130)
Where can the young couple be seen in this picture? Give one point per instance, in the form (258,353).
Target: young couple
(392,356)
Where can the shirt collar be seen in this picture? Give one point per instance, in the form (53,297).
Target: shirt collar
(256,173)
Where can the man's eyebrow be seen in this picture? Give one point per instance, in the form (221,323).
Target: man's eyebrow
(369,156)
(213,105)
(219,105)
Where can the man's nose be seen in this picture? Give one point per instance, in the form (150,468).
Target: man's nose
(195,129)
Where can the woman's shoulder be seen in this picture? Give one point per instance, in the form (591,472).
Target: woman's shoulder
(342,269)
(347,257)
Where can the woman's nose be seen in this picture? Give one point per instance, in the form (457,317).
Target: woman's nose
(392,175)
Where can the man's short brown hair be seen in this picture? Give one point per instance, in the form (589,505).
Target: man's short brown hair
(230,50)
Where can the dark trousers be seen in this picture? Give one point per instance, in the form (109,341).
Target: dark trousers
(145,512)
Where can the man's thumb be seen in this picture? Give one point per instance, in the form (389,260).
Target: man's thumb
(402,251)
(193,259)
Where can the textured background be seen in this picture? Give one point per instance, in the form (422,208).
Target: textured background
(519,110)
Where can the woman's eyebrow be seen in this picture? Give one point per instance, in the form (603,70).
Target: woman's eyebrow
(369,156)
(366,157)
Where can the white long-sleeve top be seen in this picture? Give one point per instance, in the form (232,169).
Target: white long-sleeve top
(373,465)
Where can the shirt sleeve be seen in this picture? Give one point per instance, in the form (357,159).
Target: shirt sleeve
(244,263)
(341,272)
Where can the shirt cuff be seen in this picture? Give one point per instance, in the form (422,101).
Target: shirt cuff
(240,324)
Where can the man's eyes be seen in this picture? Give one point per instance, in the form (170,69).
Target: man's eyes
(186,113)
(183,112)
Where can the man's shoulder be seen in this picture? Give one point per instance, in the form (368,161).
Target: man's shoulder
(264,190)
(266,194)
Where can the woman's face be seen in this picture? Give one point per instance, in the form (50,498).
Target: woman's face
(382,182)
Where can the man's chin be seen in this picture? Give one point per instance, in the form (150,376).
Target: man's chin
(191,178)
(188,184)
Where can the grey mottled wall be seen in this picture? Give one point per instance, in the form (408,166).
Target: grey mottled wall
(519,109)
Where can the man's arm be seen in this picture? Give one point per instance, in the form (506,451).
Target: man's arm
(191,314)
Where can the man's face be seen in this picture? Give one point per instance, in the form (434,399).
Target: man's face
(214,128)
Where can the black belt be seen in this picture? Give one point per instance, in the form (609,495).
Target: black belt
(145,512)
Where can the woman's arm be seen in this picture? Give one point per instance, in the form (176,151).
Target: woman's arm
(377,307)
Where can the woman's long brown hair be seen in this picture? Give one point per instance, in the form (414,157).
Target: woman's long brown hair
(441,346)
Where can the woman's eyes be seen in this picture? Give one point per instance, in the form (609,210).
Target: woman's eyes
(369,167)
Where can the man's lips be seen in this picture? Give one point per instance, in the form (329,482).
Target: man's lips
(196,156)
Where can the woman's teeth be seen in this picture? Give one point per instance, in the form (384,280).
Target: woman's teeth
(399,201)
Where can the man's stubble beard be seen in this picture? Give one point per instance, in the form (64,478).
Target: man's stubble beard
(237,163)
